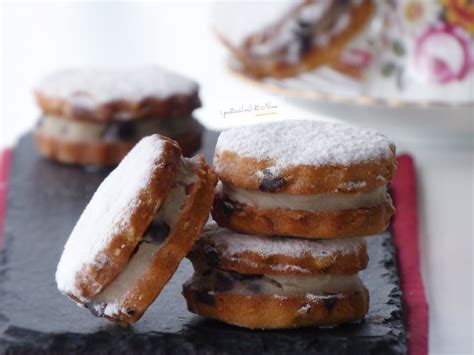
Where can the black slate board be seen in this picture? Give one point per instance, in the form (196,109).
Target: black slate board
(44,201)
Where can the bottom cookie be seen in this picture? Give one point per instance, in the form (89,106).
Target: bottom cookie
(260,310)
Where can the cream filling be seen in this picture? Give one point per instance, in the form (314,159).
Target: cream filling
(108,301)
(317,284)
(317,202)
(282,285)
(82,130)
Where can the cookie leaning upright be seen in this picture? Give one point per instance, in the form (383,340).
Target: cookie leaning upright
(304,178)
(142,220)
(116,217)
(95,116)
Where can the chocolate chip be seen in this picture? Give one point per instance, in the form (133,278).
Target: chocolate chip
(230,207)
(205,297)
(330,302)
(276,283)
(96,309)
(223,283)
(243,277)
(271,183)
(158,232)
(254,287)
(212,257)
(304,35)
(131,312)
(120,130)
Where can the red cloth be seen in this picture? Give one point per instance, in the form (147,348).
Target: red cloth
(405,234)
(5,162)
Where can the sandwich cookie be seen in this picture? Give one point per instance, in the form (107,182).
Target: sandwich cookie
(285,38)
(142,220)
(259,282)
(304,179)
(95,116)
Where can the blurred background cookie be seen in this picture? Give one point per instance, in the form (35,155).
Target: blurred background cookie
(284,38)
(95,116)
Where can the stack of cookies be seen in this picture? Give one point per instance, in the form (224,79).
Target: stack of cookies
(295,200)
(96,116)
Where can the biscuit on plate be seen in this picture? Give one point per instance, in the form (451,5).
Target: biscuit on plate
(285,38)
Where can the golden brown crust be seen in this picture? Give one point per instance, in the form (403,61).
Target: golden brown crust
(173,106)
(245,172)
(312,58)
(93,278)
(101,153)
(251,262)
(308,224)
(269,312)
(179,242)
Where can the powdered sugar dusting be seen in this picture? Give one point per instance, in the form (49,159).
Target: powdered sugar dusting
(95,86)
(304,309)
(288,268)
(232,243)
(313,297)
(113,309)
(303,142)
(108,211)
(353,185)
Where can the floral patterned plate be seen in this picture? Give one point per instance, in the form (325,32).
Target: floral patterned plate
(411,70)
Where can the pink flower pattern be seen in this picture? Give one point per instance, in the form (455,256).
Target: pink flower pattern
(441,68)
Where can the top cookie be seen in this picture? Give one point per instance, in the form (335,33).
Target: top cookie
(115,219)
(304,157)
(117,94)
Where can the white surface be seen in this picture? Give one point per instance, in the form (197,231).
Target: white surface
(40,38)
